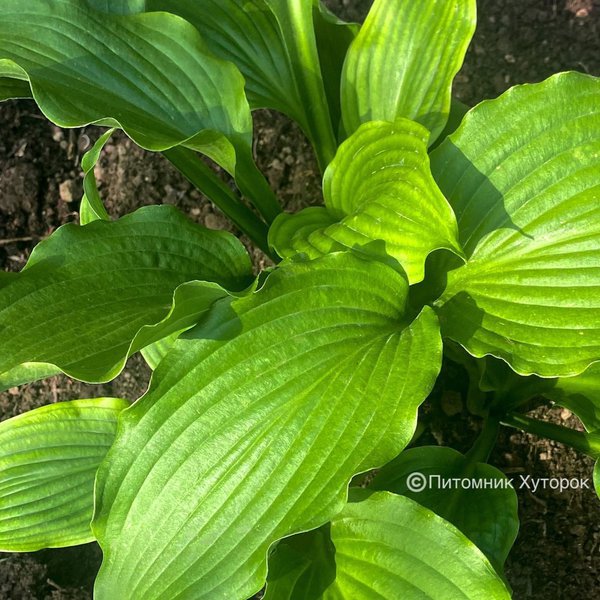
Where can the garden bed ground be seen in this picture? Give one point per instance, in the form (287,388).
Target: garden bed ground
(557,555)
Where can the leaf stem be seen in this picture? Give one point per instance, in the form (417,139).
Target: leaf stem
(485,442)
(254,186)
(587,443)
(209,183)
(301,34)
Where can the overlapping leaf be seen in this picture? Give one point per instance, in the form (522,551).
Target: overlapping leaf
(26,373)
(274,44)
(254,424)
(379,194)
(48,463)
(485,510)
(88,66)
(92,207)
(580,394)
(403,61)
(90,296)
(387,547)
(523,176)
(13,81)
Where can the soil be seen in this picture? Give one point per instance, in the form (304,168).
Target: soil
(557,554)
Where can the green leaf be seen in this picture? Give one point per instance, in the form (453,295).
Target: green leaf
(155,352)
(522,176)
(273,43)
(48,462)
(403,61)
(118,7)
(334,37)
(26,373)
(379,195)
(254,424)
(580,394)
(13,81)
(386,547)
(302,567)
(486,515)
(92,207)
(122,71)
(91,296)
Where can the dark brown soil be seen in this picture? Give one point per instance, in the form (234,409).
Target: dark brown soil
(557,554)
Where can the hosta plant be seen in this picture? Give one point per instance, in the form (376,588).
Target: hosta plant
(472,235)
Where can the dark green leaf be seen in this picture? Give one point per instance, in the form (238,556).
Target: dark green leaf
(90,296)
(487,515)
(273,43)
(403,61)
(86,67)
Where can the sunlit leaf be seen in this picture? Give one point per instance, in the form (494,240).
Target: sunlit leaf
(48,462)
(522,174)
(403,61)
(254,424)
(380,196)
(383,547)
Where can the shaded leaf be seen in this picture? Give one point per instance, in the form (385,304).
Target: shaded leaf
(334,37)
(273,43)
(86,66)
(302,566)
(13,81)
(487,515)
(92,207)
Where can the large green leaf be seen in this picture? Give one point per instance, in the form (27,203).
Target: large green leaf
(523,176)
(403,61)
(48,462)
(482,504)
(86,66)
(254,424)
(379,193)
(383,547)
(90,296)
(273,43)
